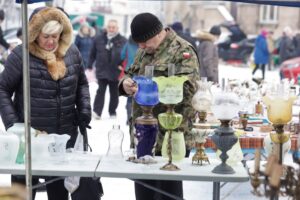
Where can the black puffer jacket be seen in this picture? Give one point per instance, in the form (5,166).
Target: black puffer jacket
(107,56)
(53,103)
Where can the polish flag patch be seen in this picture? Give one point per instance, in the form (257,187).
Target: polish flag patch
(186,55)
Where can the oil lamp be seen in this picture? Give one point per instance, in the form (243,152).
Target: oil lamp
(279,110)
(146,126)
(171,93)
(201,102)
(202,99)
(225,107)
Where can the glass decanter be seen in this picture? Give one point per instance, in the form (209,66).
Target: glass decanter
(115,140)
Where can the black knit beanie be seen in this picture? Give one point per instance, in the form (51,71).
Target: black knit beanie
(215,30)
(144,26)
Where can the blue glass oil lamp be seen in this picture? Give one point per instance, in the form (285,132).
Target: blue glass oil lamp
(146,126)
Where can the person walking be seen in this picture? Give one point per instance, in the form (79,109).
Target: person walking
(59,96)
(127,55)
(105,51)
(271,48)
(84,41)
(261,53)
(3,42)
(287,47)
(208,53)
(159,46)
(178,28)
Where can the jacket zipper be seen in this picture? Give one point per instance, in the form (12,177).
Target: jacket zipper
(58,100)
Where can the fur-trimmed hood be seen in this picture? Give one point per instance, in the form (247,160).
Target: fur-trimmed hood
(205,36)
(92,31)
(55,63)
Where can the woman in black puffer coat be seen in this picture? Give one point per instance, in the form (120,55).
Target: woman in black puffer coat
(59,91)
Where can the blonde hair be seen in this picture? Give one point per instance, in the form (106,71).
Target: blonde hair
(52,27)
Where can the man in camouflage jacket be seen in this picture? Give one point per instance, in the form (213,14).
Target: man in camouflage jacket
(160,47)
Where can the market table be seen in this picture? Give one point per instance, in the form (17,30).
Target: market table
(83,165)
(119,168)
(89,166)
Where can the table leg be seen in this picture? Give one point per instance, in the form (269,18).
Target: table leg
(216,190)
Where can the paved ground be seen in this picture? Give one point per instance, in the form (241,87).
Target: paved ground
(123,189)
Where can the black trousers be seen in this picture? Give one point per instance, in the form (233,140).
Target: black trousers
(55,190)
(262,67)
(100,96)
(173,187)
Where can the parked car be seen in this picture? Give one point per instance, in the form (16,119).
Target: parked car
(236,46)
(291,69)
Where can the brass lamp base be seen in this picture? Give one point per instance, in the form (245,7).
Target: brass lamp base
(280,138)
(200,155)
(170,167)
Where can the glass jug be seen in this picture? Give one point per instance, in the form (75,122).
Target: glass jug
(19,130)
(58,147)
(115,140)
(9,146)
(40,147)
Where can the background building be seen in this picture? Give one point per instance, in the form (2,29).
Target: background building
(193,14)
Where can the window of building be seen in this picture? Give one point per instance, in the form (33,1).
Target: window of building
(268,14)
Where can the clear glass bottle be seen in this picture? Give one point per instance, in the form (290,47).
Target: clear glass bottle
(115,140)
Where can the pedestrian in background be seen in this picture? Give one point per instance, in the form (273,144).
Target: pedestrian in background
(296,40)
(84,41)
(3,42)
(261,53)
(178,28)
(161,46)
(106,51)
(59,96)
(208,53)
(271,48)
(287,46)
(127,56)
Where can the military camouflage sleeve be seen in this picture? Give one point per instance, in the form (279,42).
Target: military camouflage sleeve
(190,67)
